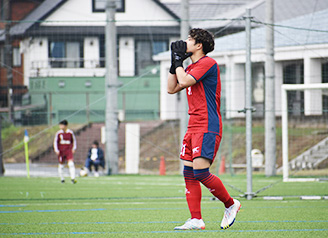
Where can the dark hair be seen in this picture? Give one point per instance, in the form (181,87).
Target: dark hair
(204,37)
(95,143)
(63,122)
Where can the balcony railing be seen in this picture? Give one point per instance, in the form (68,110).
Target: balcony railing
(67,63)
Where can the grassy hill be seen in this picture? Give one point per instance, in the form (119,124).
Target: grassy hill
(41,137)
(164,141)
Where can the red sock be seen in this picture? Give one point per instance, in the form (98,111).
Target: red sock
(193,193)
(214,185)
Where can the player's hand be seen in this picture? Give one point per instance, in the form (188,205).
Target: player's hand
(172,68)
(57,153)
(179,52)
(73,151)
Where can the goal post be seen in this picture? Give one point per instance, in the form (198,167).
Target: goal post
(284,120)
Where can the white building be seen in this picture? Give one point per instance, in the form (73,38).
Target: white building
(66,37)
(301,53)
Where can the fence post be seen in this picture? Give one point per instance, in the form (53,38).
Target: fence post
(50,109)
(87,107)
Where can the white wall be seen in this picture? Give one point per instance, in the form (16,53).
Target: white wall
(35,56)
(312,98)
(91,52)
(39,53)
(278,82)
(126,56)
(236,88)
(132,148)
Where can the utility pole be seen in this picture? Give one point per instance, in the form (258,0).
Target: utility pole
(248,107)
(111,83)
(184,30)
(8,59)
(270,120)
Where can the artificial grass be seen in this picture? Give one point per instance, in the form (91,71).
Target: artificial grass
(151,206)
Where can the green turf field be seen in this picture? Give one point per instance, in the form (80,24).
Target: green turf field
(151,206)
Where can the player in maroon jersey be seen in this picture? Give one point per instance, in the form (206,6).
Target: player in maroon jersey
(201,79)
(64,147)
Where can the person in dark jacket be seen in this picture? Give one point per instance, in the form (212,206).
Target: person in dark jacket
(95,157)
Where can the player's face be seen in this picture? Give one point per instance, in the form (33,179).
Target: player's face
(62,127)
(191,45)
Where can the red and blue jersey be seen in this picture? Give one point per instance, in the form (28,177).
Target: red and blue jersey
(204,97)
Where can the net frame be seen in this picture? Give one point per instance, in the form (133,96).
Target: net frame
(284,120)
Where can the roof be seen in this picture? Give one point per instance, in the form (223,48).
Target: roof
(45,9)
(172,13)
(288,35)
(225,9)
(283,10)
(137,31)
(41,12)
(206,9)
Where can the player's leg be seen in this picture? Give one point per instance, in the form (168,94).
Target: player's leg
(61,168)
(217,188)
(87,165)
(211,181)
(61,172)
(96,164)
(193,190)
(71,168)
(208,145)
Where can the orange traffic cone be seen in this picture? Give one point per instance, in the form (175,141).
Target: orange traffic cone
(222,166)
(162,166)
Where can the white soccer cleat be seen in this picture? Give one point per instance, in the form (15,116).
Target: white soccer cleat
(192,224)
(230,215)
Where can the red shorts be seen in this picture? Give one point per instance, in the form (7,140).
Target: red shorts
(203,145)
(65,156)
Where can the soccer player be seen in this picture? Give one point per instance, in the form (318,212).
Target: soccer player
(201,79)
(64,147)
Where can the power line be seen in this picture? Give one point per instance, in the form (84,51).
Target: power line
(289,27)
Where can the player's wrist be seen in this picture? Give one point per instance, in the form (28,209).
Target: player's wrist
(172,69)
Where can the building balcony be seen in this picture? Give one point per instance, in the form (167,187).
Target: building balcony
(61,67)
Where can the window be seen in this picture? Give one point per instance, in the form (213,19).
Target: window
(159,46)
(293,73)
(66,54)
(100,5)
(102,44)
(17,61)
(258,89)
(145,51)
